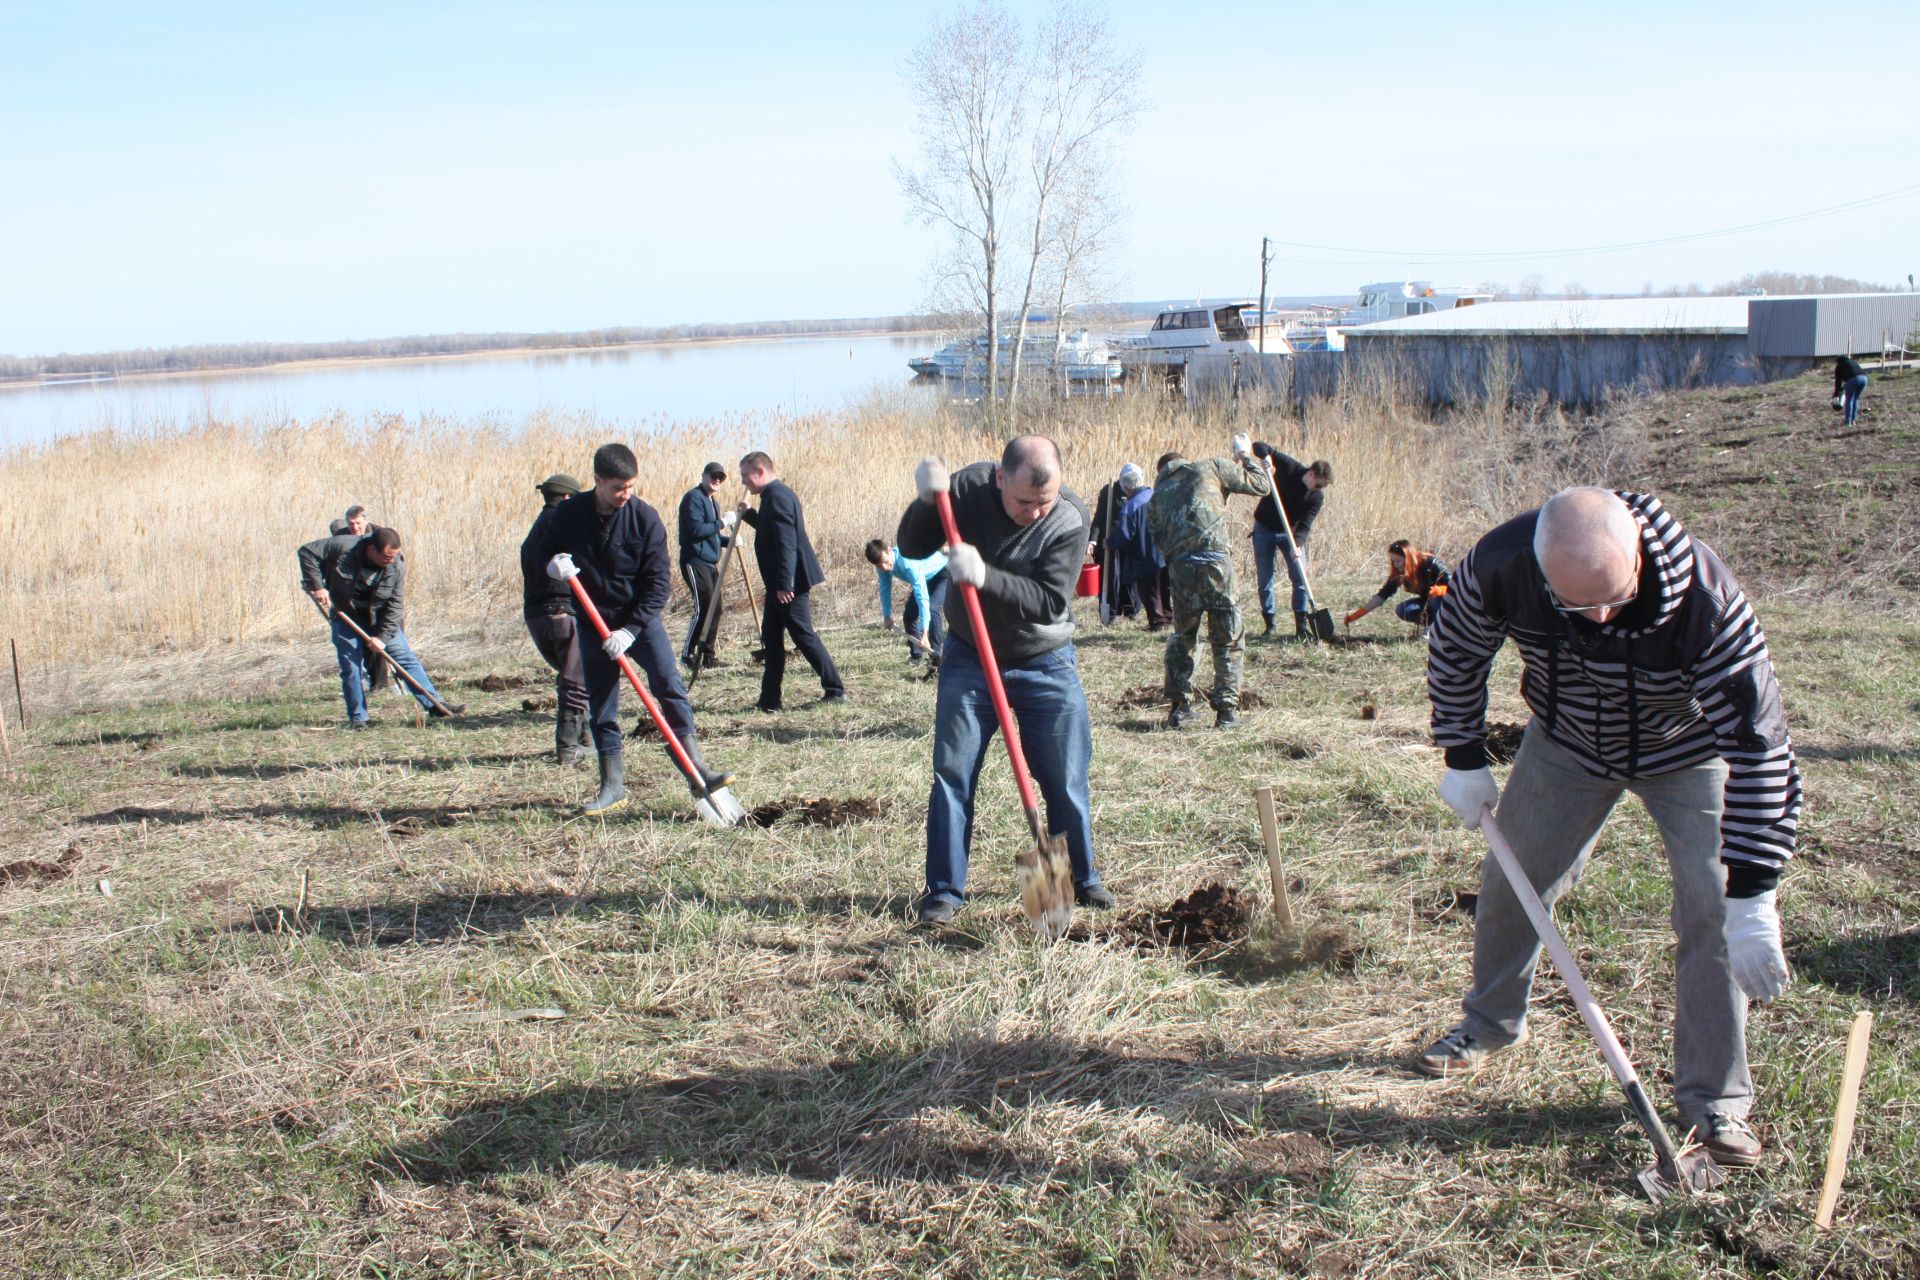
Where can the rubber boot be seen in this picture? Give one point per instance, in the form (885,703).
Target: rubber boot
(711,780)
(1268,619)
(569,736)
(1303,628)
(613,785)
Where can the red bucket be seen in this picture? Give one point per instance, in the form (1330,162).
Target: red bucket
(1089,585)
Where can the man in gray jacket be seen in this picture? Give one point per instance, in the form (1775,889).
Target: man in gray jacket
(366,579)
(1022,539)
(1646,671)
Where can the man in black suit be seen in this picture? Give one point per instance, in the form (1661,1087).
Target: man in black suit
(618,547)
(790,570)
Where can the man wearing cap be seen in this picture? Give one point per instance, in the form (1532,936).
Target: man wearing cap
(554,625)
(704,531)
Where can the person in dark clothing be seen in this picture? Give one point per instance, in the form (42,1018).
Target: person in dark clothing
(1137,563)
(365,577)
(1302,492)
(1849,383)
(1022,538)
(790,571)
(618,547)
(1420,574)
(1116,601)
(553,622)
(1646,671)
(704,531)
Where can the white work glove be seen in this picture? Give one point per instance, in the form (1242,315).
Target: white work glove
(1242,445)
(1468,792)
(562,567)
(965,566)
(729,519)
(930,477)
(1759,964)
(617,643)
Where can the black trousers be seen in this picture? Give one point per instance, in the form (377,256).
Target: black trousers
(794,618)
(556,636)
(653,654)
(703,585)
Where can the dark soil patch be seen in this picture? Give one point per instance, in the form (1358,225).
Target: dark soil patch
(494,682)
(1454,902)
(539,704)
(1503,741)
(29,874)
(1213,916)
(823,812)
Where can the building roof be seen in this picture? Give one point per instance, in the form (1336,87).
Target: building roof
(1574,315)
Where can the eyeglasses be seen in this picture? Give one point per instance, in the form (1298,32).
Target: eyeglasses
(1561,606)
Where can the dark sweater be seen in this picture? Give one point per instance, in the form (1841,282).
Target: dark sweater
(1845,370)
(1027,601)
(540,594)
(1290,482)
(372,596)
(622,557)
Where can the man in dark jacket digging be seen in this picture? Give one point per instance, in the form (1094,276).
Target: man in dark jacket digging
(619,548)
(1022,539)
(1646,671)
(365,577)
(1301,490)
(553,621)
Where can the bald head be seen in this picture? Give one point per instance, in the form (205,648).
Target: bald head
(1036,456)
(1029,478)
(1588,545)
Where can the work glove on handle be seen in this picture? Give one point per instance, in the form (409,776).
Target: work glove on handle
(964,565)
(729,519)
(1242,445)
(930,477)
(562,567)
(1469,793)
(1759,964)
(617,643)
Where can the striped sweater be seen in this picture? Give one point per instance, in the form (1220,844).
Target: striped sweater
(1678,677)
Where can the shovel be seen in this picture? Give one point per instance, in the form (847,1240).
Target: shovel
(716,807)
(393,666)
(1321,620)
(1044,872)
(1671,1171)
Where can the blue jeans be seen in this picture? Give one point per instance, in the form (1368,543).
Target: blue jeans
(353,669)
(936,605)
(1855,385)
(652,653)
(1409,610)
(1050,708)
(1265,543)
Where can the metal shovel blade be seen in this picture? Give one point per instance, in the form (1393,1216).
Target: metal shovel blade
(718,808)
(1691,1173)
(1322,623)
(1045,876)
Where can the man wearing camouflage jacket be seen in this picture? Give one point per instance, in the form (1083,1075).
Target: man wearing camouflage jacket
(1187,517)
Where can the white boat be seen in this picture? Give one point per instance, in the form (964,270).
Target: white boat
(1079,357)
(1387,300)
(1183,335)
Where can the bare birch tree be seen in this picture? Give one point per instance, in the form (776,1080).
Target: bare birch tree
(1005,127)
(968,78)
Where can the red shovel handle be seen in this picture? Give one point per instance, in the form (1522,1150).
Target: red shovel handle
(678,752)
(1008,729)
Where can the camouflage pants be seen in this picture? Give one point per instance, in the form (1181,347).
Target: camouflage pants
(1204,590)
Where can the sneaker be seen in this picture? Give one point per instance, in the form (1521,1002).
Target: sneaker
(1458,1053)
(932,910)
(1181,715)
(834,695)
(1097,896)
(1730,1140)
(766,710)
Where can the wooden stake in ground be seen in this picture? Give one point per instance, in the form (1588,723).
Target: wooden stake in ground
(18,696)
(1843,1112)
(6,748)
(1270,835)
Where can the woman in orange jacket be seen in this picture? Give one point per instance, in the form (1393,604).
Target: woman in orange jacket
(1417,572)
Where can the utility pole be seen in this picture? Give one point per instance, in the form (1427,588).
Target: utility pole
(1266,256)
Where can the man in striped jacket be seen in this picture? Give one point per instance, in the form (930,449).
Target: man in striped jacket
(1646,672)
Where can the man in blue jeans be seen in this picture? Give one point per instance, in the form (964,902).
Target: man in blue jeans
(1022,538)
(1300,491)
(365,577)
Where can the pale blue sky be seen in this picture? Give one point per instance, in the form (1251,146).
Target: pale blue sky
(194,173)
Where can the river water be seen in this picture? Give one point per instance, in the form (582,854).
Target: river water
(642,388)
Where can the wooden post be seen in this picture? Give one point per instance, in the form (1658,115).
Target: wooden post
(18,696)
(1270,834)
(751,606)
(1266,256)
(6,747)
(1843,1113)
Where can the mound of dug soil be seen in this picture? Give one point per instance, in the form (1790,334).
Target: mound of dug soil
(1211,916)
(1503,741)
(29,874)
(1142,697)
(494,682)
(823,812)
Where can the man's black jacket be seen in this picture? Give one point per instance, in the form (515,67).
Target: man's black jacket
(780,544)
(1290,482)
(700,528)
(623,558)
(540,594)
(373,597)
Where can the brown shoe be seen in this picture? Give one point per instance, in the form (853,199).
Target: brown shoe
(1459,1054)
(1730,1140)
